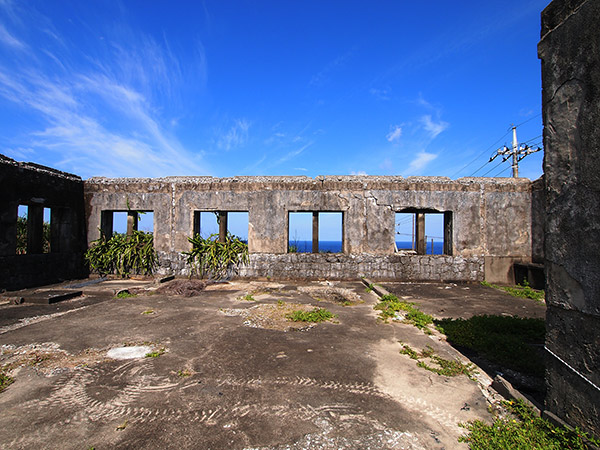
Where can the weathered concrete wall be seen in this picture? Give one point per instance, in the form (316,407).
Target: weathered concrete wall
(491,221)
(570,54)
(40,187)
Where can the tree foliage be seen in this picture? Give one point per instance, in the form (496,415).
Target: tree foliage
(122,254)
(214,259)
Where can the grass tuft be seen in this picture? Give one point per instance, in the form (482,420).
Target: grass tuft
(156,353)
(439,365)
(390,305)
(521,291)
(5,379)
(125,294)
(525,431)
(315,315)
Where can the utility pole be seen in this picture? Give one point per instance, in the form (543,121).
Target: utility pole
(517,152)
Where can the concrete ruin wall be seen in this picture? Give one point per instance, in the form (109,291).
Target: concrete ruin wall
(570,54)
(490,226)
(39,187)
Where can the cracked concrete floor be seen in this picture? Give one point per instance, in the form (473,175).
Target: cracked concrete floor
(221,384)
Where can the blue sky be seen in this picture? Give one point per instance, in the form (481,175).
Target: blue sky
(224,88)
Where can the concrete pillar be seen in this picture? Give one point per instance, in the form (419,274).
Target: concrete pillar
(106,223)
(197,223)
(570,52)
(420,233)
(132,222)
(448,247)
(222,226)
(315,232)
(8,227)
(35,229)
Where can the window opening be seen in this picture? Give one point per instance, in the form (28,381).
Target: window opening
(119,222)
(331,232)
(205,223)
(46,231)
(424,233)
(22,229)
(237,224)
(405,232)
(300,232)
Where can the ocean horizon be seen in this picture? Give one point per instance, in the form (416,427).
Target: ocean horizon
(336,246)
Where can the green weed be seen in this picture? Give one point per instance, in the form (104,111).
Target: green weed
(156,353)
(148,311)
(441,366)
(184,373)
(390,305)
(521,291)
(125,294)
(315,315)
(248,298)
(507,341)
(5,379)
(525,431)
(369,288)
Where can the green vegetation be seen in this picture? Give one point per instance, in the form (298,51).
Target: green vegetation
(122,254)
(521,291)
(292,248)
(156,353)
(390,305)
(5,379)
(125,294)
(213,258)
(22,236)
(441,366)
(148,311)
(369,288)
(507,341)
(315,315)
(525,431)
(248,298)
(184,373)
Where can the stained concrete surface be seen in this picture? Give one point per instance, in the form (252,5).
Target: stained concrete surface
(222,384)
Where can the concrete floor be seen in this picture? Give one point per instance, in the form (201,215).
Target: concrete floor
(221,384)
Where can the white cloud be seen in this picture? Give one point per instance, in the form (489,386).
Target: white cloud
(293,153)
(394,134)
(434,128)
(236,136)
(381,94)
(423,158)
(9,40)
(360,172)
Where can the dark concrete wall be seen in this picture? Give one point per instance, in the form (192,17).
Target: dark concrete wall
(570,54)
(40,187)
(491,221)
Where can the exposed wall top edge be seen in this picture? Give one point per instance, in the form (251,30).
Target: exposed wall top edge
(5,160)
(557,12)
(368,179)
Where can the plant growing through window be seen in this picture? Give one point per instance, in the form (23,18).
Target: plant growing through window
(214,259)
(122,254)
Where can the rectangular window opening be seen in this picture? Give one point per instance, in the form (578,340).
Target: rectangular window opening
(331,232)
(46,232)
(22,230)
(300,225)
(405,232)
(423,232)
(237,224)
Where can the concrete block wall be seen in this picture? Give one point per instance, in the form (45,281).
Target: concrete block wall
(39,187)
(491,221)
(570,53)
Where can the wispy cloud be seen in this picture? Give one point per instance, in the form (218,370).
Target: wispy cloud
(324,75)
(432,127)
(236,136)
(99,117)
(394,134)
(420,162)
(9,40)
(381,94)
(294,153)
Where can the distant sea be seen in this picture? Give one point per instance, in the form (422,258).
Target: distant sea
(336,246)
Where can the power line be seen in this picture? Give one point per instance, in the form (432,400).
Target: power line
(517,152)
(478,156)
(528,120)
